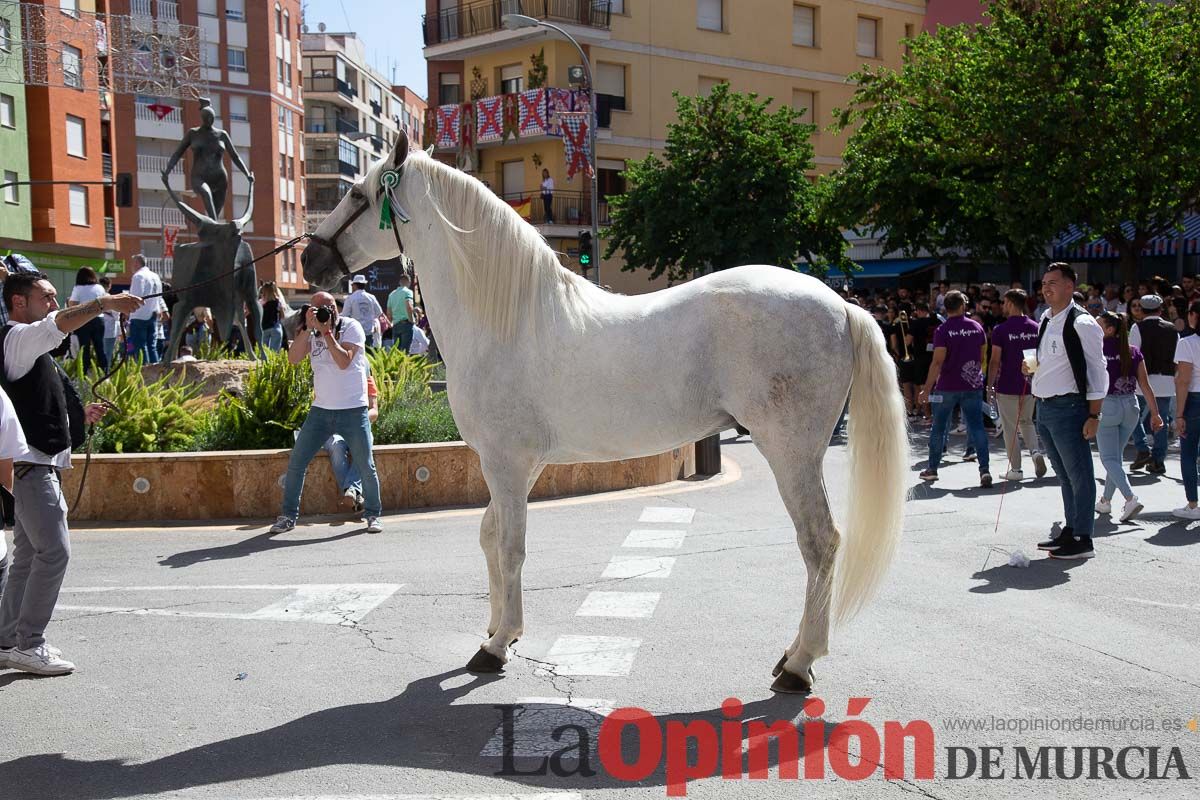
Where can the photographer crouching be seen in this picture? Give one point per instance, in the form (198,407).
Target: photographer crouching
(335,346)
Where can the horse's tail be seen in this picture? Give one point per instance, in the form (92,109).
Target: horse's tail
(878,436)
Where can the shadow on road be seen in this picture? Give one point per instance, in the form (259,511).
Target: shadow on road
(256,544)
(1042,573)
(422,728)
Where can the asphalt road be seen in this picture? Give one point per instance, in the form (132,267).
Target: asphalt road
(218,662)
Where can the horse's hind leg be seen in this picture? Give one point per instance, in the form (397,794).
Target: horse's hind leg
(797,469)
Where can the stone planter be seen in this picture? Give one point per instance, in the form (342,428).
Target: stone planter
(249,484)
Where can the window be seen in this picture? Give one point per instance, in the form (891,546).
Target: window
(79,204)
(210,55)
(235,9)
(868,37)
(279,117)
(279,69)
(290,118)
(287,23)
(10,192)
(278,19)
(512,79)
(908,35)
(348,153)
(512,178)
(610,92)
(238,109)
(236,58)
(207,8)
(72,66)
(5,35)
(708,84)
(75,137)
(616,6)
(709,15)
(805,102)
(8,114)
(804,26)
(69,7)
(449,88)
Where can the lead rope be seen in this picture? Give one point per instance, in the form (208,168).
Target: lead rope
(112,406)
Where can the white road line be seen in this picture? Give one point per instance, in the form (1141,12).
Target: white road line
(639,567)
(255,587)
(325,604)
(628,605)
(1195,607)
(670,514)
(592,655)
(538,796)
(665,539)
(534,724)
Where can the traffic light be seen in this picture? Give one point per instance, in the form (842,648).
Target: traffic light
(124,192)
(585,249)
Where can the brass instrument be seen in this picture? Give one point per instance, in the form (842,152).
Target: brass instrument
(902,323)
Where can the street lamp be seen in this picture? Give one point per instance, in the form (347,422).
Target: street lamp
(514,22)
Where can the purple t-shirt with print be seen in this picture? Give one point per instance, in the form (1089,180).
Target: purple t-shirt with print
(1112,357)
(963,339)
(1013,336)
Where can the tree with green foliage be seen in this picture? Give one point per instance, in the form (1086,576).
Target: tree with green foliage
(995,138)
(730,189)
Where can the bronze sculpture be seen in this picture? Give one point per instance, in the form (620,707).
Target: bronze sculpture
(208,144)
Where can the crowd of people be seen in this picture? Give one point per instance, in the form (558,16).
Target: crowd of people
(1056,369)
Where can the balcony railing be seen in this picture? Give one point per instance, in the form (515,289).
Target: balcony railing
(157,164)
(566,208)
(139,8)
(168,11)
(328,83)
(157,217)
(110,231)
(330,167)
(106,164)
(338,124)
(313,219)
(162,267)
(143,112)
(484,16)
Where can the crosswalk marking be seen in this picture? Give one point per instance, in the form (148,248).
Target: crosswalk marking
(667,514)
(610,656)
(639,567)
(535,796)
(665,538)
(537,719)
(628,605)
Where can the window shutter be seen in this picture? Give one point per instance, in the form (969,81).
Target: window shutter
(804,26)
(708,15)
(867,37)
(806,103)
(610,79)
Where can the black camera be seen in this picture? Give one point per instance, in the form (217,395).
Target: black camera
(323,315)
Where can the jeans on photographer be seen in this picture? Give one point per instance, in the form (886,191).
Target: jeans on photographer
(353,426)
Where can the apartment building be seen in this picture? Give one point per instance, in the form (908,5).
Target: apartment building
(15,227)
(411,115)
(250,57)
(953,12)
(641,51)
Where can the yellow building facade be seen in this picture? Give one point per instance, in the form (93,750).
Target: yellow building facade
(641,51)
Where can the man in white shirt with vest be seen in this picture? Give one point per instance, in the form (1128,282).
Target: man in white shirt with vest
(1070,382)
(1156,338)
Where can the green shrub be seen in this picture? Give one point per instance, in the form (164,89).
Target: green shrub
(149,418)
(416,416)
(275,399)
(395,371)
(212,350)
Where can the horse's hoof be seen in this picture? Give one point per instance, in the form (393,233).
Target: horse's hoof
(485,662)
(790,683)
(779,666)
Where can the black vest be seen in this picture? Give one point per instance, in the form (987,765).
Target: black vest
(1159,338)
(1074,347)
(46,403)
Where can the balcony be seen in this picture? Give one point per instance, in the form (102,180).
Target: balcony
(566,208)
(313,219)
(150,172)
(484,17)
(330,166)
(159,216)
(329,84)
(152,126)
(106,165)
(162,267)
(489,117)
(338,125)
(110,231)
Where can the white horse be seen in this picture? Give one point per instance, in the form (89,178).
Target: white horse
(543,367)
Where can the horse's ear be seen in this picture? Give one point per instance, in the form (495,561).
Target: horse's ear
(429,151)
(400,151)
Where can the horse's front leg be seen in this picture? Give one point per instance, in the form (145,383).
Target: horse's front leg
(509,488)
(489,542)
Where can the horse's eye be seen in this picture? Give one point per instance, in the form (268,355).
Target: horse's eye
(356,193)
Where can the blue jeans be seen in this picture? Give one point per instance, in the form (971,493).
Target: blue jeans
(344,473)
(1118,419)
(273,337)
(1166,407)
(110,347)
(1060,426)
(353,426)
(944,404)
(402,335)
(142,338)
(1189,444)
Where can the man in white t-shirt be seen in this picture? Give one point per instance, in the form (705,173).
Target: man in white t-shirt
(143,323)
(339,365)
(362,307)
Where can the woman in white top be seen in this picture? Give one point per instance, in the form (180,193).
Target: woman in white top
(548,195)
(1187,415)
(91,335)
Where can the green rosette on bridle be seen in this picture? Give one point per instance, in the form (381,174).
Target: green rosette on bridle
(388,181)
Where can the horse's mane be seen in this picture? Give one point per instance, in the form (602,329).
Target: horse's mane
(504,271)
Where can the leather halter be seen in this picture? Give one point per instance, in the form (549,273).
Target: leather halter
(331,243)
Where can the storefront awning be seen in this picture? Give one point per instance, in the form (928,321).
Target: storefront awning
(1076,244)
(891,267)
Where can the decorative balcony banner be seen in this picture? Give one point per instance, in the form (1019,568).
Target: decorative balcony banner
(512,115)
(489,115)
(170,235)
(558,102)
(576,147)
(533,112)
(429,136)
(448,126)
(468,156)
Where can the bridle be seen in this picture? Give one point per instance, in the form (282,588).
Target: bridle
(389,215)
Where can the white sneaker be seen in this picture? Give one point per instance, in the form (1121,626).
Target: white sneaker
(1039,465)
(1103,506)
(38,661)
(1014,475)
(1132,508)
(373,525)
(962,428)
(1187,512)
(283,524)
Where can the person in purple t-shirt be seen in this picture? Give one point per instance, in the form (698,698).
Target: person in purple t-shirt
(956,378)
(1011,389)
(1120,413)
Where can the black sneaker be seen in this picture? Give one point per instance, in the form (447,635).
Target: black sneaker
(1076,549)
(1157,467)
(929,475)
(1054,544)
(1143,458)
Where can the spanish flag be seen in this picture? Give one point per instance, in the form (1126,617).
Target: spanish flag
(524,207)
